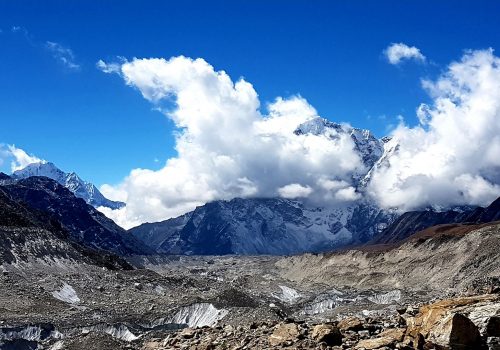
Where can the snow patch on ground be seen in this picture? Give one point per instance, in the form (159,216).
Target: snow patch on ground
(66,294)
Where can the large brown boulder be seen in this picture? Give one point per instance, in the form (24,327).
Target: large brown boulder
(326,333)
(388,337)
(452,323)
(350,324)
(284,333)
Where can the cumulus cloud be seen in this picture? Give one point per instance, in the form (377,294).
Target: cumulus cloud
(453,156)
(226,147)
(62,54)
(397,52)
(294,191)
(18,158)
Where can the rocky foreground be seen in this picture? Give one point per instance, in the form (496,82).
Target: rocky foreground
(461,323)
(439,289)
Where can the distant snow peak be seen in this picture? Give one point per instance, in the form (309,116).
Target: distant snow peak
(369,148)
(82,189)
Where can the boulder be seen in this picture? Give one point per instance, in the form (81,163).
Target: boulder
(284,333)
(350,324)
(187,333)
(386,338)
(449,323)
(458,332)
(326,333)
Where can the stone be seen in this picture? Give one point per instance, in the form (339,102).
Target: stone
(350,324)
(388,337)
(187,333)
(326,333)
(284,333)
(443,323)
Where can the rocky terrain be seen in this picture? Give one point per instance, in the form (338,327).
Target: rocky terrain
(83,223)
(355,299)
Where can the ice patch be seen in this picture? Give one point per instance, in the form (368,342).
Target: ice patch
(198,315)
(59,345)
(288,295)
(30,333)
(386,298)
(319,307)
(66,294)
(118,331)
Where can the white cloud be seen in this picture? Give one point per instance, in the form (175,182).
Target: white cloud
(347,194)
(226,147)
(108,67)
(294,191)
(62,54)
(397,52)
(18,158)
(453,156)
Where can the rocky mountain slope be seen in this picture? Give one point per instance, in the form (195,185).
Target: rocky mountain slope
(261,226)
(84,223)
(411,222)
(28,235)
(440,259)
(81,189)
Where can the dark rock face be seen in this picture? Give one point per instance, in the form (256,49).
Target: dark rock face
(27,234)
(415,221)
(158,234)
(273,226)
(84,224)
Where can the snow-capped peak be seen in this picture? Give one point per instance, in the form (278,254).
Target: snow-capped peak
(71,181)
(369,148)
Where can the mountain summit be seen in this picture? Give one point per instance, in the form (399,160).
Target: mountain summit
(82,189)
(279,225)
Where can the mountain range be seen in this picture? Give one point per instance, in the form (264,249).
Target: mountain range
(82,189)
(59,210)
(277,225)
(246,226)
(283,226)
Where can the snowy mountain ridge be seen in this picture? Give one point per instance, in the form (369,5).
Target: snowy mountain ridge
(369,148)
(262,226)
(71,181)
(279,225)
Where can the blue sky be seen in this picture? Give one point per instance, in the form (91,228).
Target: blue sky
(331,53)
